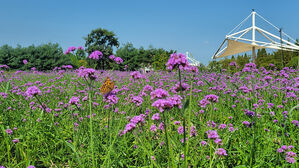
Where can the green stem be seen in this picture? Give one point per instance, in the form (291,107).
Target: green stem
(189,124)
(169,149)
(210,153)
(184,121)
(91,132)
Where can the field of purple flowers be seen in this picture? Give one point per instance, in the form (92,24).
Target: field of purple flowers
(179,118)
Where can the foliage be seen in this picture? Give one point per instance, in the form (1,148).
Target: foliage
(129,54)
(78,58)
(135,59)
(104,41)
(42,57)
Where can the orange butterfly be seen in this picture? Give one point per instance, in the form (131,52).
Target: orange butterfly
(107,86)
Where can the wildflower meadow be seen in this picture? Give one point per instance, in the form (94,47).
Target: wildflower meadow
(181,117)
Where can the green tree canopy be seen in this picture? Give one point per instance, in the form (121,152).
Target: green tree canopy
(134,58)
(101,40)
(42,57)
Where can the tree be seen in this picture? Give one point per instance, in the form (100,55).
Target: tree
(214,66)
(42,57)
(129,54)
(104,41)
(139,58)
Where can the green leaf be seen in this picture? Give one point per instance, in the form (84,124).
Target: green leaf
(186,105)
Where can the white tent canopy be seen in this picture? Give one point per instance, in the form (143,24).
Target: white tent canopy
(235,47)
(236,43)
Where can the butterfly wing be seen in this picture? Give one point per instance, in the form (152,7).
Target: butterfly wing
(107,86)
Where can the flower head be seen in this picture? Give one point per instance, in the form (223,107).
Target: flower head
(138,119)
(176,101)
(137,100)
(96,55)
(87,73)
(212,98)
(80,48)
(221,152)
(156,117)
(153,127)
(129,127)
(212,134)
(118,60)
(9,131)
(159,93)
(112,57)
(162,104)
(25,61)
(203,143)
(136,75)
(33,91)
(290,159)
(15,141)
(181,130)
(177,60)
(74,100)
(193,131)
(69,50)
(31,166)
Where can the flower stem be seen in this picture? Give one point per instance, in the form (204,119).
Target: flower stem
(169,149)
(91,132)
(184,121)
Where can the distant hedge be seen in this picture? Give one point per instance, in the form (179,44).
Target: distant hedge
(42,57)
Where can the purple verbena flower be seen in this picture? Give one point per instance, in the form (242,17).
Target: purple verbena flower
(153,127)
(33,91)
(9,131)
(177,60)
(31,166)
(87,73)
(222,126)
(96,55)
(221,152)
(25,61)
(137,100)
(74,100)
(203,143)
(156,117)
(212,98)
(162,104)
(193,131)
(118,60)
(159,93)
(290,160)
(137,119)
(80,48)
(212,134)
(181,130)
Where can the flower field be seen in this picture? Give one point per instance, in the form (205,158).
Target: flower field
(179,118)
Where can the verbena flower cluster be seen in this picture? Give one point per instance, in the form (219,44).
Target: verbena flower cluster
(177,60)
(96,55)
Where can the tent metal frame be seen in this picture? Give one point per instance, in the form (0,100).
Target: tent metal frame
(272,42)
(192,60)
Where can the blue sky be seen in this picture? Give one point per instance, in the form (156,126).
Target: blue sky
(196,26)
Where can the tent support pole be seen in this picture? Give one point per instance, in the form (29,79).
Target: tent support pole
(253,55)
(214,57)
(280,31)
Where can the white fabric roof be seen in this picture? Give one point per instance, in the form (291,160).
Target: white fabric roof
(235,47)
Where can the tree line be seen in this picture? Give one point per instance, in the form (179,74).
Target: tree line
(48,56)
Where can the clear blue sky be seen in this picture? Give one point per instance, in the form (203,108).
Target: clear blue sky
(197,26)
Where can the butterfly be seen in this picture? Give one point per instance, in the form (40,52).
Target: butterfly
(107,86)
